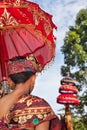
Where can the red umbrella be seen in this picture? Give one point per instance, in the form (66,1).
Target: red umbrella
(25,29)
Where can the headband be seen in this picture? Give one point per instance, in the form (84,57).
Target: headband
(22,65)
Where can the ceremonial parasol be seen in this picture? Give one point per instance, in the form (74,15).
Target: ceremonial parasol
(25,29)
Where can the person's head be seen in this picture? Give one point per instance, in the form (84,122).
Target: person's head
(22,78)
(21,69)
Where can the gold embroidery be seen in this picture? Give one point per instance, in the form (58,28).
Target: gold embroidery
(45,115)
(40,116)
(29,116)
(28,113)
(32,110)
(15,119)
(29,103)
(22,119)
(7,19)
(22,99)
(38,16)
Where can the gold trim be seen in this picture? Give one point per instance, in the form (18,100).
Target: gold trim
(37,32)
(31,111)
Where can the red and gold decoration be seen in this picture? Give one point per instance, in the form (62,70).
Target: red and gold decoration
(25,29)
(68,97)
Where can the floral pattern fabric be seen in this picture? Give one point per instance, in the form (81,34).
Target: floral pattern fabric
(30,111)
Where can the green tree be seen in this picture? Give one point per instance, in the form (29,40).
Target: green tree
(75,60)
(77,124)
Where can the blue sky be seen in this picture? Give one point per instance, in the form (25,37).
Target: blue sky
(64,14)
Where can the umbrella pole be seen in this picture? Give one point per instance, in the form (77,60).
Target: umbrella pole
(5,87)
(4,80)
(68,118)
(3,68)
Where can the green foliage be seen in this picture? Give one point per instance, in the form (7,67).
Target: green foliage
(81,16)
(77,124)
(75,61)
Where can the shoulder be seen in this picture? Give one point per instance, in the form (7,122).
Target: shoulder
(40,101)
(31,101)
(31,111)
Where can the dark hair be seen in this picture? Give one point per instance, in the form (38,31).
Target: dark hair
(18,58)
(21,77)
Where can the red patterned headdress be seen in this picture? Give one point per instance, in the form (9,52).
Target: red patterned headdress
(22,65)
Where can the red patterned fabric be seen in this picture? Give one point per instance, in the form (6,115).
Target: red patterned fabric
(22,65)
(25,29)
(30,111)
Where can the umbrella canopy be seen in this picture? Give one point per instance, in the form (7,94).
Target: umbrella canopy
(25,29)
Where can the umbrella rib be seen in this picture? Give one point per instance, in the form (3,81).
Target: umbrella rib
(23,40)
(32,35)
(13,44)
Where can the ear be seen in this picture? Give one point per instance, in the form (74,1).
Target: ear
(33,80)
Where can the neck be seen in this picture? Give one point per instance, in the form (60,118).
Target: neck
(22,88)
(19,90)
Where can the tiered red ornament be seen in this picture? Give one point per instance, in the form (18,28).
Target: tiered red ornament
(68,90)
(68,97)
